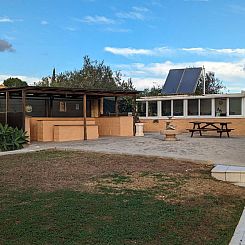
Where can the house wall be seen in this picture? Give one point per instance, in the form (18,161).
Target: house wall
(204,112)
(157,125)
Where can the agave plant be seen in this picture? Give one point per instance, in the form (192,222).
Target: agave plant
(12,138)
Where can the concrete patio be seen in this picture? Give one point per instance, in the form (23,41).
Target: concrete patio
(213,150)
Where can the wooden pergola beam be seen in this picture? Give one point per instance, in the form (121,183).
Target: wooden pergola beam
(85,116)
(23,95)
(6,106)
(116,106)
(134,112)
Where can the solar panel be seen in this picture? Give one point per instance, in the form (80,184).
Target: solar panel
(172,82)
(189,80)
(182,81)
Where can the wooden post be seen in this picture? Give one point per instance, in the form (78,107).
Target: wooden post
(51,100)
(6,106)
(116,106)
(134,112)
(101,106)
(23,108)
(85,116)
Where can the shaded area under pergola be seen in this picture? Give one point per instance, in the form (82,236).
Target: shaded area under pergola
(14,102)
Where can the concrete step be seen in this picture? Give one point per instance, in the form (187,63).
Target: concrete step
(233,174)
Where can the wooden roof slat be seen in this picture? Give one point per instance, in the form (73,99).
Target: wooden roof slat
(77,91)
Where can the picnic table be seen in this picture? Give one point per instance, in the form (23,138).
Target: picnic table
(204,126)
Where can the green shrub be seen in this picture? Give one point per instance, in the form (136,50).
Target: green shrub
(11,138)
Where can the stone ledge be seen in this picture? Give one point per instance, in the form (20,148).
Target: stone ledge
(229,173)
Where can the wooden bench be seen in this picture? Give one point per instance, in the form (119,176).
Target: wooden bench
(220,131)
(200,130)
(69,132)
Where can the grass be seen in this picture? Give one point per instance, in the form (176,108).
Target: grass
(53,197)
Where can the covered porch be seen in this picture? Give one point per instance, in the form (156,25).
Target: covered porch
(65,114)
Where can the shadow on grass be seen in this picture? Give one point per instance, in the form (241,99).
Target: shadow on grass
(132,217)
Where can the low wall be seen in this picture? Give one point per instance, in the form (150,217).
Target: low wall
(42,129)
(115,126)
(74,132)
(67,129)
(181,125)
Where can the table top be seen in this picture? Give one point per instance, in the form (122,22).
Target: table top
(209,122)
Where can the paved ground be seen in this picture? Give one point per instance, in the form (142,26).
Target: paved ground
(228,151)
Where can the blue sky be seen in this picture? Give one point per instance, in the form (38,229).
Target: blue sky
(143,39)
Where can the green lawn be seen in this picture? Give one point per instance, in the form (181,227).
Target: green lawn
(53,197)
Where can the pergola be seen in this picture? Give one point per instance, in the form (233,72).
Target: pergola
(23,93)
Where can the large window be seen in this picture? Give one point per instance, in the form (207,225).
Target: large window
(235,105)
(205,107)
(166,108)
(220,107)
(141,108)
(152,108)
(193,107)
(178,108)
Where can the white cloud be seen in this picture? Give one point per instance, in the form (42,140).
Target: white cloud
(5,19)
(162,51)
(148,82)
(28,79)
(143,75)
(132,51)
(70,29)
(127,51)
(109,29)
(136,13)
(96,20)
(211,51)
(44,22)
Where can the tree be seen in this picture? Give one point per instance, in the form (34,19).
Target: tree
(53,79)
(93,75)
(213,85)
(14,82)
(153,91)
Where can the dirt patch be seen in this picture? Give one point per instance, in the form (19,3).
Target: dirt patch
(170,179)
(52,170)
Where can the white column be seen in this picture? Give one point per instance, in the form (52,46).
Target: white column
(227,107)
(213,108)
(172,108)
(243,107)
(159,108)
(185,103)
(146,108)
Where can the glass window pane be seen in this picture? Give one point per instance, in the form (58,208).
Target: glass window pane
(141,108)
(220,107)
(192,107)
(2,103)
(152,108)
(15,104)
(235,105)
(205,107)
(178,108)
(166,108)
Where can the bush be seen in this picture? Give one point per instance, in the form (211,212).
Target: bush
(11,138)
